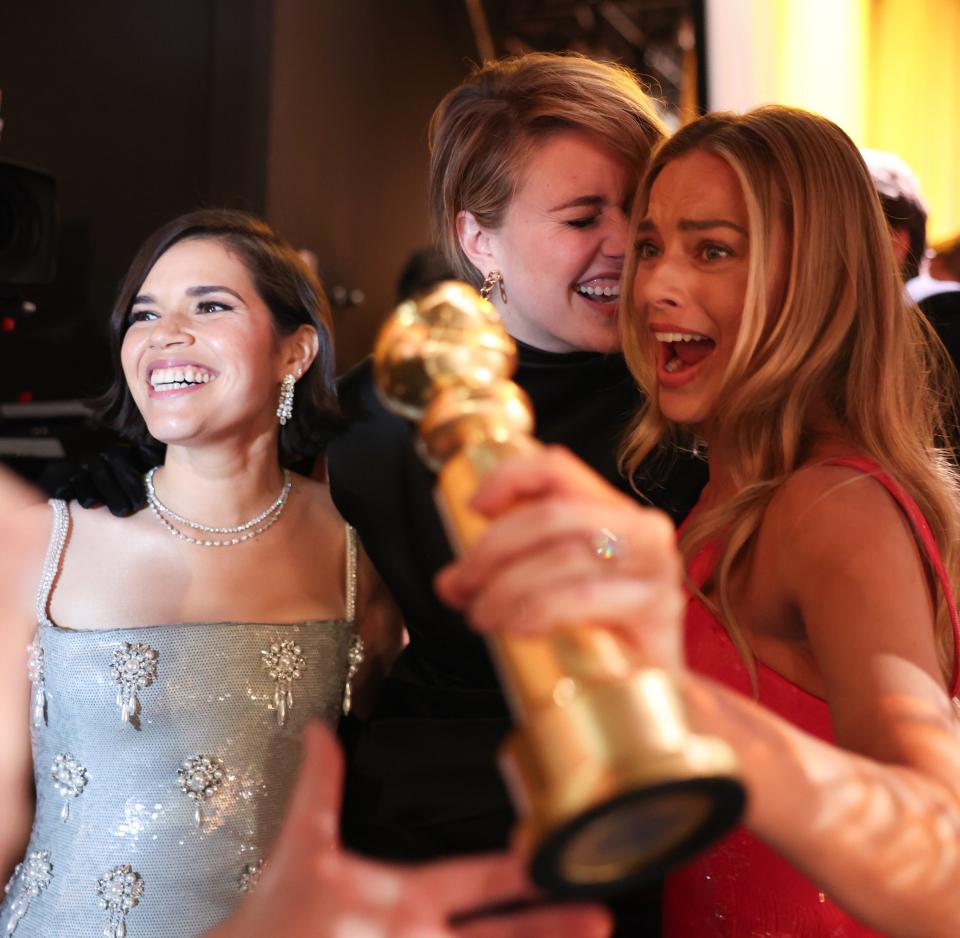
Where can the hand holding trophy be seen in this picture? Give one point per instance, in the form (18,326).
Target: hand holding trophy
(611,786)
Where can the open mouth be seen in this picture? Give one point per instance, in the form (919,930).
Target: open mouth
(683,350)
(180,376)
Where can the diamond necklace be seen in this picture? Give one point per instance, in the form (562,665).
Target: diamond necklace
(244,532)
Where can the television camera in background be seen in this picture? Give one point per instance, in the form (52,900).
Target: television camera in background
(36,436)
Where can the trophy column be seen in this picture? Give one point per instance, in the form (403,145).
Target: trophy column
(610,785)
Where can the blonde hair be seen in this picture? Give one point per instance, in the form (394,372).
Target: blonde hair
(483,131)
(840,336)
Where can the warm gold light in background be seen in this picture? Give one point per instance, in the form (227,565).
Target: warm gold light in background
(914,98)
(887,71)
(821,59)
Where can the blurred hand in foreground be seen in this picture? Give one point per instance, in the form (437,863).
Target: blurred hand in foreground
(312,888)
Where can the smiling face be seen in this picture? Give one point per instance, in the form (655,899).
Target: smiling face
(200,356)
(560,247)
(691,280)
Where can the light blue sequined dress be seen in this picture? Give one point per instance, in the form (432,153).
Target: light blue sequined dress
(163,761)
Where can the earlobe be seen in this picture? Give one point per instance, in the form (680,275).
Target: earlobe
(303,348)
(476,241)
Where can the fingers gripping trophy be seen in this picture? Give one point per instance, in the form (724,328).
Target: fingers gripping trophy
(610,785)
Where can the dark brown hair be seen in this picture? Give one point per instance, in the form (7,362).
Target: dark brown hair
(290,291)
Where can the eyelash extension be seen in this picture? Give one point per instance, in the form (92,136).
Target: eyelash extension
(640,245)
(141,315)
(138,315)
(713,246)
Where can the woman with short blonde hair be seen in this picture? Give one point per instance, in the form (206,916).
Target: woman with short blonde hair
(483,132)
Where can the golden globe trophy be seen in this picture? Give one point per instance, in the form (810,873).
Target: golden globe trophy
(610,785)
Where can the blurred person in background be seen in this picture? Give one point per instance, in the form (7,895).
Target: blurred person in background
(930,283)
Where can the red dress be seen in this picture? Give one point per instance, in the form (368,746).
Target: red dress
(741,887)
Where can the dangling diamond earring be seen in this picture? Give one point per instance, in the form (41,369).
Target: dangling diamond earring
(285,407)
(494,278)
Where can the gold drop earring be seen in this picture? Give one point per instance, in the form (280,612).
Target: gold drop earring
(493,279)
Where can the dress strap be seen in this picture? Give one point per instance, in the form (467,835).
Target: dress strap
(351,574)
(52,564)
(928,541)
(355,649)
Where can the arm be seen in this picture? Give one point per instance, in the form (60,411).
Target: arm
(877,827)
(381,628)
(881,840)
(379,622)
(20,543)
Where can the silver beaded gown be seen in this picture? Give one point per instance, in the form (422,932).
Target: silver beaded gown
(163,760)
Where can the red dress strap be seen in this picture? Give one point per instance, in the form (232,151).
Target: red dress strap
(924,534)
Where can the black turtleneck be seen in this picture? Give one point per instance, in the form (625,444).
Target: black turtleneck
(422,780)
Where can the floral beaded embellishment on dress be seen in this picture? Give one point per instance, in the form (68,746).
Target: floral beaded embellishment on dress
(134,667)
(200,778)
(354,660)
(119,891)
(250,876)
(69,778)
(29,879)
(284,662)
(35,671)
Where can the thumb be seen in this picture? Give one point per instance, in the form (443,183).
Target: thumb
(315,804)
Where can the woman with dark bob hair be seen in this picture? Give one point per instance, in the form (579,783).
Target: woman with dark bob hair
(168,705)
(176,655)
(293,296)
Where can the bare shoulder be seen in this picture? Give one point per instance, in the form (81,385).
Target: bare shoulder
(33,520)
(826,508)
(849,561)
(832,528)
(848,558)
(24,538)
(317,516)
(95,533)
(314,494)
(26,533)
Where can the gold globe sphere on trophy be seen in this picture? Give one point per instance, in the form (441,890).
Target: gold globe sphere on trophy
(610,785)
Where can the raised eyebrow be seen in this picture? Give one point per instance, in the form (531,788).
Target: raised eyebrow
(591,201)
(689,224)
